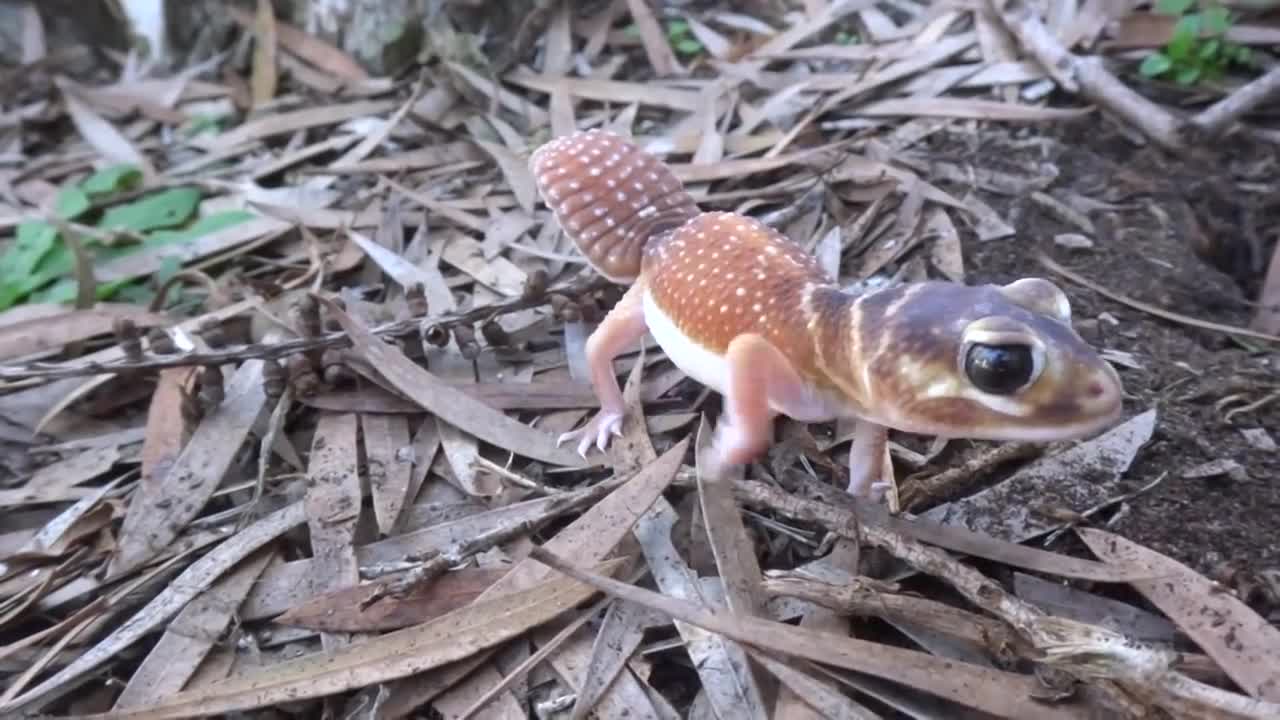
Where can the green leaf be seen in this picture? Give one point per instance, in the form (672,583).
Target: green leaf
(33,242)
(203,123)
(170,265)
(165,209)
(676,28)
(1187,75)
(111,180)
(1173,7)
(1215,20)
(1209,49)
(65,289)
(688,46)
(1155,65)
(1240,54)
(135,293)
(71,203)
(1185,33)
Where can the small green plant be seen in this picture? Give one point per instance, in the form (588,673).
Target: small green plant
(681,37)
(38,265)
(1198,49)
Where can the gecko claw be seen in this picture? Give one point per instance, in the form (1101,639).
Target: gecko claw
(599,430)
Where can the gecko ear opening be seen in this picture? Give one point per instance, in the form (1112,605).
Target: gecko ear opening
(1040,296)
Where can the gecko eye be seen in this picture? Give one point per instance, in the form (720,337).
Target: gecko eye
(999,369)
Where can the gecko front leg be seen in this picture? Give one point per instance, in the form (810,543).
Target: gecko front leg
(760,382)
(623,326)
(866,460)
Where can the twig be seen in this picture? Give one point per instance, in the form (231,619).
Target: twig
(867,597)
(1213,120)
(1087,76)
(1122,498)
(276,351)
(1152,309)
(1079,649)
(948,481)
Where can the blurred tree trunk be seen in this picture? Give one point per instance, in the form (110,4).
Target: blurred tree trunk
(382,35)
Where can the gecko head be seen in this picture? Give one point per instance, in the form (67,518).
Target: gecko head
(996,362)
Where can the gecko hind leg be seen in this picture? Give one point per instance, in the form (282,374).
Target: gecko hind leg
(761,381)
(621,328)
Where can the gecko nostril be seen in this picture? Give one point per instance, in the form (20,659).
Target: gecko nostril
(1095,390)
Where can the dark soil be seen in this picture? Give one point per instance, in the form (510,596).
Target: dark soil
(1181,241)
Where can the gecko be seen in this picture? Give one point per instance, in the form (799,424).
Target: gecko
(748,312)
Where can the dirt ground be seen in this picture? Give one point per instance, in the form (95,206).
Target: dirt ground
(1145,249)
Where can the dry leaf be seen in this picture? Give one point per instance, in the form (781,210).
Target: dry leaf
(164,606)
(199,469)
(1246,646)
(343,610)
(448,403)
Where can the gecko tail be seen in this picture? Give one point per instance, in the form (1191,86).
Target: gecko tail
(610,197)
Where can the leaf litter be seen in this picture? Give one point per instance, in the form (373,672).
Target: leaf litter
(375,483)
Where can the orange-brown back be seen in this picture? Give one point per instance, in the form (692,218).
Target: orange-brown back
(610,197)
(721,275)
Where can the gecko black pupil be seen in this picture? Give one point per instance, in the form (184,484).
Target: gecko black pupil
(998,369)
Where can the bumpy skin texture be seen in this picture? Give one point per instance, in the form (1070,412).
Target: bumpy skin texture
(610,197)
(722,275)
(747,312)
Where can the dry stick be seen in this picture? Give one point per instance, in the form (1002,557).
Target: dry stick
(863,598)
(276,351)
(1087,76)
(1152,309)
(1079,649)
(1213,120)
(952,479)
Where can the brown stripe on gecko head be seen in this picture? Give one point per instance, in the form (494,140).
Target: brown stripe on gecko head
(988,362)
(610,197)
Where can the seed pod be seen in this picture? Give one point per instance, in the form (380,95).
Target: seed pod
(494,334)
(274,379)
(212,392)
(416,299)
(433,334)
(535,285)
(160,343)
(466,338)
(334,365)
(129,338)
(305,316)
(212,333)
(302,377)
